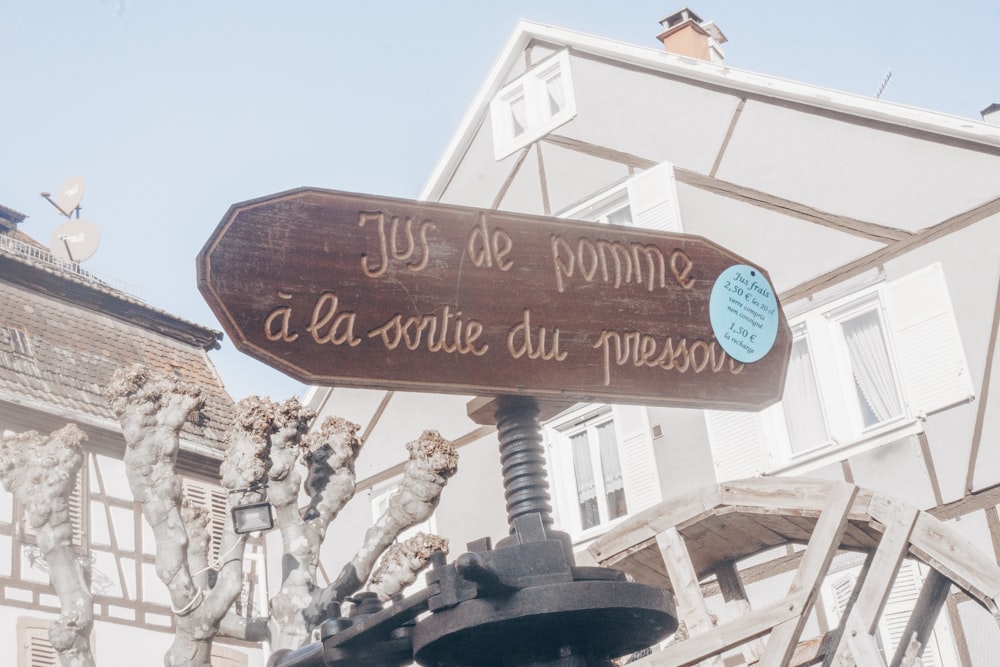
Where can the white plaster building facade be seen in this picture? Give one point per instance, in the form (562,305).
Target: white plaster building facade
(877,223)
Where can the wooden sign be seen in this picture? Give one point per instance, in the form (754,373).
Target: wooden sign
(344,289)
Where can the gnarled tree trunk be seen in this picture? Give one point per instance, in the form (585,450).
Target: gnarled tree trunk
(152,409)
(41,473)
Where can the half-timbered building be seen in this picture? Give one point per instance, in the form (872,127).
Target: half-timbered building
(63,332)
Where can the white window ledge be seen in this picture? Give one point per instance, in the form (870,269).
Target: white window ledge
(823,456)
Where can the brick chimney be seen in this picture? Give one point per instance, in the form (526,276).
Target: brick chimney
(687,35)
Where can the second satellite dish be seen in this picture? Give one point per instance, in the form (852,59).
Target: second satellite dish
(75,240)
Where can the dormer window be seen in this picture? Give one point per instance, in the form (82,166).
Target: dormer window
(533,105)
(18,341)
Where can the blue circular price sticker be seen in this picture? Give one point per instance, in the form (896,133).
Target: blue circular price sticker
(744,313)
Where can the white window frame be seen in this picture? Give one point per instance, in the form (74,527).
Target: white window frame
(822,328)
(650,195)
(599,208)
(563,474)
(916,315)
(539,121)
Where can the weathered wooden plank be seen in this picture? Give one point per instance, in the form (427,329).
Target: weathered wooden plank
(925,612)
(820,550)
(707,547)
(856,643)
(954,555)
(778,493)
(899,519)
(723,637)
(777,523)
(643,528)
(808,652)
(858,539)
(691,607)
(735,595)
(863,647)
(742,535)
(646,567)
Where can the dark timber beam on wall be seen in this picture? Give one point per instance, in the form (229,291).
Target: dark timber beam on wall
(866,230)
(984,394)
(602,152)
(950,226)
(728,137)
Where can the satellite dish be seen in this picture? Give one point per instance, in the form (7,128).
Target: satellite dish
(68,196)
(75,241)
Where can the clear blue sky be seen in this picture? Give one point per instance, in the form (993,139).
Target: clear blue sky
(174,110)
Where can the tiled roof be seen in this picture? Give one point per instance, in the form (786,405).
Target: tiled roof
(60,343)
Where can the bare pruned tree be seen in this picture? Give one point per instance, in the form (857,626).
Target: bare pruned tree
(40,471)
(265,445)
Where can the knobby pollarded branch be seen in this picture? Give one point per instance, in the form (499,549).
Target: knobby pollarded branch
(40,471)
(152,409)
(328,453)
(402,562)
(433,460)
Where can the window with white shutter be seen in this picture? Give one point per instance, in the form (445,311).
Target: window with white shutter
(928,345)
(532,105)
(212,498)
(652,198)
(635,441)
(738,443)
(648,200)
(897,612)
(864,371)
(34,648)
(602,467)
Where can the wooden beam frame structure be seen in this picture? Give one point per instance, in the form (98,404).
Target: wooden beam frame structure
(699,538)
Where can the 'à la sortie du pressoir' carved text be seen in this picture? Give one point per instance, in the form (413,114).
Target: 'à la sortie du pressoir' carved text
(577,261)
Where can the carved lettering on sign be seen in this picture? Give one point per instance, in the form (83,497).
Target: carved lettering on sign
(618,263)
(643,350)
(525,341)
(389,244)
(488,246)
(375,292)
(341,323)
(280,314)
(445,332)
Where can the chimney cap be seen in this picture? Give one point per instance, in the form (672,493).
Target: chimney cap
(679,17)
(687,17)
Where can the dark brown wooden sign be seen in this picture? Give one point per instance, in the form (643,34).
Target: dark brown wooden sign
(354,290)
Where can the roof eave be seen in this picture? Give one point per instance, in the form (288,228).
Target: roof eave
(739,81)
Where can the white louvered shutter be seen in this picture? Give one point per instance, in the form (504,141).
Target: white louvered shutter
(929,349)
(899,607)
(212,499)
(737,442)
(37,649)
(652,196)
(635,447)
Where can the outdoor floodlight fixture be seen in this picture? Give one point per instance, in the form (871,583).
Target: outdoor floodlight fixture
(253,516)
